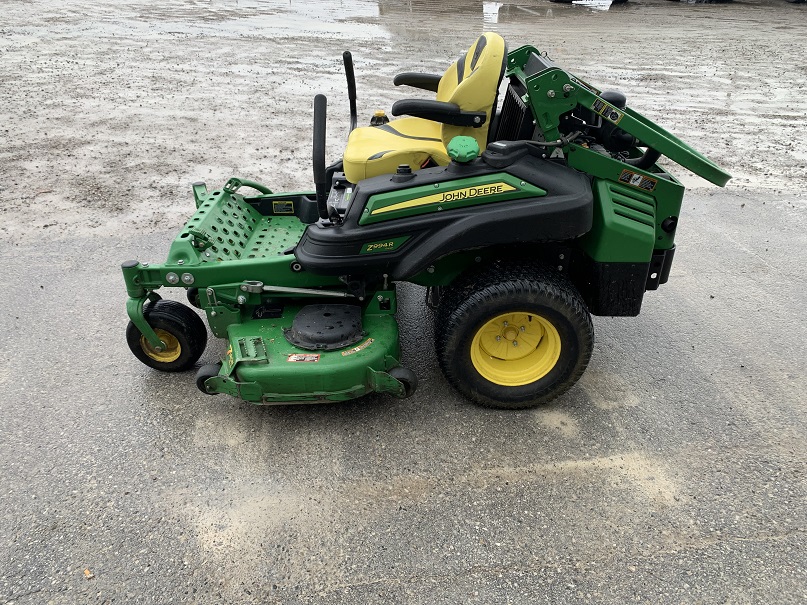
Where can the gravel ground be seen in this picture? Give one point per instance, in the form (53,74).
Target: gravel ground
(674,472)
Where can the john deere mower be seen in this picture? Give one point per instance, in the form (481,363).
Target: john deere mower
(520,219)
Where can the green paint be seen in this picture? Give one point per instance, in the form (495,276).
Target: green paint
(227,241)
(463,149)
(261,366)
(134,309)
(554,92)
(624,225)
(225,228)
(234,184)
(666,196)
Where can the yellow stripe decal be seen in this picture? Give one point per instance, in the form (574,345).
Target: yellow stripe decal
(449,196)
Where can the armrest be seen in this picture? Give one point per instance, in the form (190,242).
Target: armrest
(417,80)
(439,111)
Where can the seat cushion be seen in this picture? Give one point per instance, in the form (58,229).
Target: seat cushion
(471,82)
(375,150)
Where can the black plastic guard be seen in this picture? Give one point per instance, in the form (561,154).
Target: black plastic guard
(660,266)
(325,327)
(611,289)
(564,213)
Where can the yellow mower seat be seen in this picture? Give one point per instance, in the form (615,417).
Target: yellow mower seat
(471,84)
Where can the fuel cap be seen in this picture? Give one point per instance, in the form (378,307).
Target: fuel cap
(463,149)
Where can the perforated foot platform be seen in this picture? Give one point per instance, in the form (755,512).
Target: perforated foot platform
(227,228)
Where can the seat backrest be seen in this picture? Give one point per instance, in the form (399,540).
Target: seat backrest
(472,82)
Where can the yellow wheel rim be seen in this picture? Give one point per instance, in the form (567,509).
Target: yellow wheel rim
(514,349)
(172,347)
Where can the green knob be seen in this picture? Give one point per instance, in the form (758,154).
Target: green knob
(463,149)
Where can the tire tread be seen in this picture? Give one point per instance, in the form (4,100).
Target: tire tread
(182,322)
(468,296)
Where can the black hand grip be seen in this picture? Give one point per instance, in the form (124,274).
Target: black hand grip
(351,87)
(320,181)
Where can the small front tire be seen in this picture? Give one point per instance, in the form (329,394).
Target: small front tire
(207,371)
(182,331)
(407,378)
(193,297)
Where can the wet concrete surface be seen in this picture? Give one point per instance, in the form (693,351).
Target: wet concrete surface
(674,472)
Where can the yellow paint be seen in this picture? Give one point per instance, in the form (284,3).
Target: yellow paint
(450,196)
(473,90)
(172,349)
(514,349)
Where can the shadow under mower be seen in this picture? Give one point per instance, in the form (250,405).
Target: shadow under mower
(565,213)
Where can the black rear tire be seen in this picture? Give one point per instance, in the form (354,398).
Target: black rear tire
(179,327)
(514,336)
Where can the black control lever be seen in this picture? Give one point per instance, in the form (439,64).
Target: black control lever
(320,176)
(351,87)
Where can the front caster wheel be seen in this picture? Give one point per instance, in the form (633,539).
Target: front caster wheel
(514,338)
(182,331)
(193,297)
(207,371)
(407,378)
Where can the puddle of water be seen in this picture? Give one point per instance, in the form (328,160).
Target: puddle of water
(359,19)
(725,78)
(276,18)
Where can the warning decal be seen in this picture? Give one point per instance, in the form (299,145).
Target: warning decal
(610,113)
(358,348)
(637,180)
(283,207)
(304,357)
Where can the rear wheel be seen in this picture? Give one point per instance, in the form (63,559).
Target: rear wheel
(182,331)
(513,337)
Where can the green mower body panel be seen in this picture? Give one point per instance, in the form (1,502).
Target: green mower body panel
(261,366)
